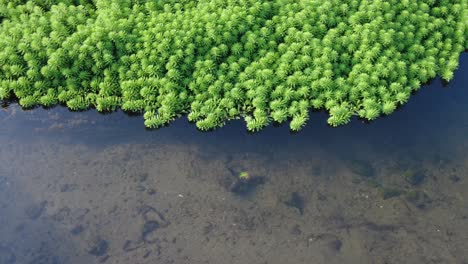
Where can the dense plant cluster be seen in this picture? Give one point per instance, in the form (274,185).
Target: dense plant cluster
(217,60)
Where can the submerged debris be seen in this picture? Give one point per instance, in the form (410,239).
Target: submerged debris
(130,245)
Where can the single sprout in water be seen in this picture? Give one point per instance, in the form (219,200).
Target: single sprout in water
(244,175)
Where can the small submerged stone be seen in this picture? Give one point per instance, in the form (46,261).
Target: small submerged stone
(296,201)
(415,177)
(148,253)
(148,228)
(244,186)
(296,230)
(154,220)
(362,168)
(418,198)
(140,188)
(150,213)
(208,228)
(454,178)
(99,248)
(68,187)
(336,245)
(77,230)
(388,192)
(143,177)
(34,211)
(330,241)
(62,214)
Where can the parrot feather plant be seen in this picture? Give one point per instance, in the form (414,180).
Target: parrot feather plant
(216,60)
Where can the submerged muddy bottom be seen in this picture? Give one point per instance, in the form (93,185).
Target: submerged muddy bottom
(150,203)
(87,188)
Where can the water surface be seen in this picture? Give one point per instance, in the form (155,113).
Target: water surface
(91,188)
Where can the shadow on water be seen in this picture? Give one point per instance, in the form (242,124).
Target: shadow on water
(81,187)
(437,113)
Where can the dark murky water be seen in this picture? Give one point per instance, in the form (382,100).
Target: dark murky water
(91,188)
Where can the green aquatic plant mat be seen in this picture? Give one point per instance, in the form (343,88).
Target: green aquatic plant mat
(216,60)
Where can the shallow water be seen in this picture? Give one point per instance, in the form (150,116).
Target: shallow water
(91,188)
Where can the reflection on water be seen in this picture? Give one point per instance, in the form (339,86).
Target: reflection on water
(91,188)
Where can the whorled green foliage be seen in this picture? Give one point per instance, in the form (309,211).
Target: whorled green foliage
(215,60)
